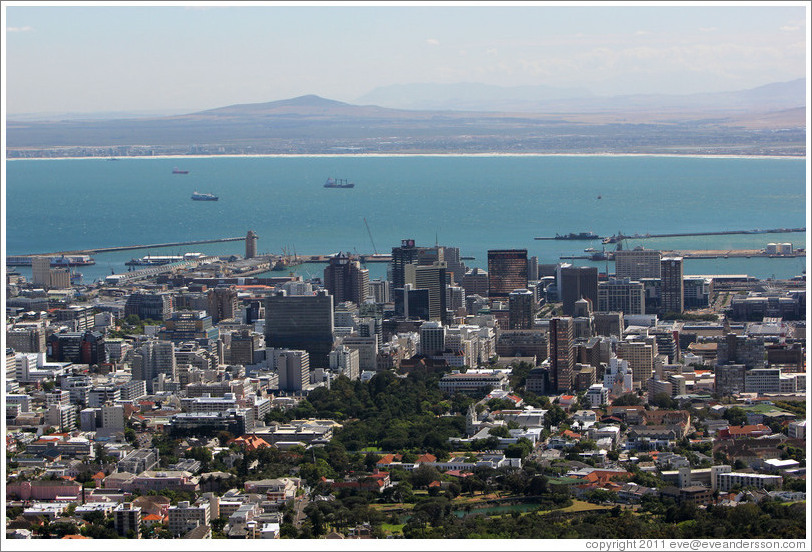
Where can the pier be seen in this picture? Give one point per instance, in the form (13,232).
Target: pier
(698,254)
(131,247)
(618,237)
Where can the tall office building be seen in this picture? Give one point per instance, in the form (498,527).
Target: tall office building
(637,263)
(671,292)
(41,271)
(149,306)
(533,269)
(251,244)
(303,322)
(521,309)
(380,290)
(432,338)
(153,358)
(451,256)
(640,354)
(475,282)
(562,356)
(621,294)
(433,278)
(401,256)
(507,270)
(222,303)
(412,303)
(578,282)
(293,368)
(346,280)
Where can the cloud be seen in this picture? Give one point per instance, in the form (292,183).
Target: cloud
(790,28)
(19,29)
(432,41)
(708,29)
(642,33)
(491,52)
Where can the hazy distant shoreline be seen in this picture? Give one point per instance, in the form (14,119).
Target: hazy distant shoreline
(325,155)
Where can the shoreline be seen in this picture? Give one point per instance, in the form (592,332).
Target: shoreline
(337,155)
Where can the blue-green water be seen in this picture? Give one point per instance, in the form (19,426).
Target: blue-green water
(474,203)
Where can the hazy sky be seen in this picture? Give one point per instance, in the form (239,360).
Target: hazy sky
(161,57)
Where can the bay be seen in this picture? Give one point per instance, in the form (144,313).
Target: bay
(475,203)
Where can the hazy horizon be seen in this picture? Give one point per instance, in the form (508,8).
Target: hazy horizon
(161,60)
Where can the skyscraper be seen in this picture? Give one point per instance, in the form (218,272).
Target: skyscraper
(433,278)
(637,263)
(151,359)
(578,282)
(346,280)
(562,357)
(521,310)
(621,294)
(402,256)
(303,322)
(507,270)
(671,291)
(293,368)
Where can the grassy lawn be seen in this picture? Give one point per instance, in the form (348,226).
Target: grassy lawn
(391,529)
(581,506)
(371,449)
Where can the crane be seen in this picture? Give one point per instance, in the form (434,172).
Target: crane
(370,236)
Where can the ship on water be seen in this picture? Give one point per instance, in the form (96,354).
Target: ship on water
(160,260)
(338,183)
(197,196)
(57,262)
(578,236)
(179,171)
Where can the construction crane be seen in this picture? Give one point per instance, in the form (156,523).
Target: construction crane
(375,249)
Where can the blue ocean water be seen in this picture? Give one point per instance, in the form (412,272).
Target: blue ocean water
(474,203)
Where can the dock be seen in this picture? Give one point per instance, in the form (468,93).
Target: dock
(130,247)
(699,254)
(618,237)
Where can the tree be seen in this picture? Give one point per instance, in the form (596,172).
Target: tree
(629,399)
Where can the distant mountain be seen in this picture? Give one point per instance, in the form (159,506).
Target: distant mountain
(736,122)
(542,99)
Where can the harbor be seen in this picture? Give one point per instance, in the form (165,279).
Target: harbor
(619,236)
(697,254)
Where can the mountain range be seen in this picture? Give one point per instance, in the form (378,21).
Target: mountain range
(770,119)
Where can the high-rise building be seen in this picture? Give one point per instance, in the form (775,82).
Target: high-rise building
(521,310)
(578,282)
(412,303)
(41,271)
(293,368)
(184,326)
(222,303)
(153,358)
(433,278)
(380,290)
(432,338)
(637,263)
(346,280)
(507,270)
(304,322)
(640,354)
(533,269)
(672,289)
(475,282)
(149,306)
(562,357)
(401,256)
(243,346)
(451,256)
(128,520)
(251,244)
(622,295)
(346,361)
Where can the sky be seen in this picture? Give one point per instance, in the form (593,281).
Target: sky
(162,58)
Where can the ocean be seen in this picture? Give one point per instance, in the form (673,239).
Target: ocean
(475,203)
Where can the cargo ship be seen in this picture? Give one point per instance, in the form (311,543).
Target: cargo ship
(578,236)
(178,171)
(338,183)
(197,196)
(61,261)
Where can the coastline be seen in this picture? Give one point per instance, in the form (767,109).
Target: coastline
(337,155)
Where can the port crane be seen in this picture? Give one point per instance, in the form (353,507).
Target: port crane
(375,249)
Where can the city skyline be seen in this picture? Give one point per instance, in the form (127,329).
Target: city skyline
(183,58)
